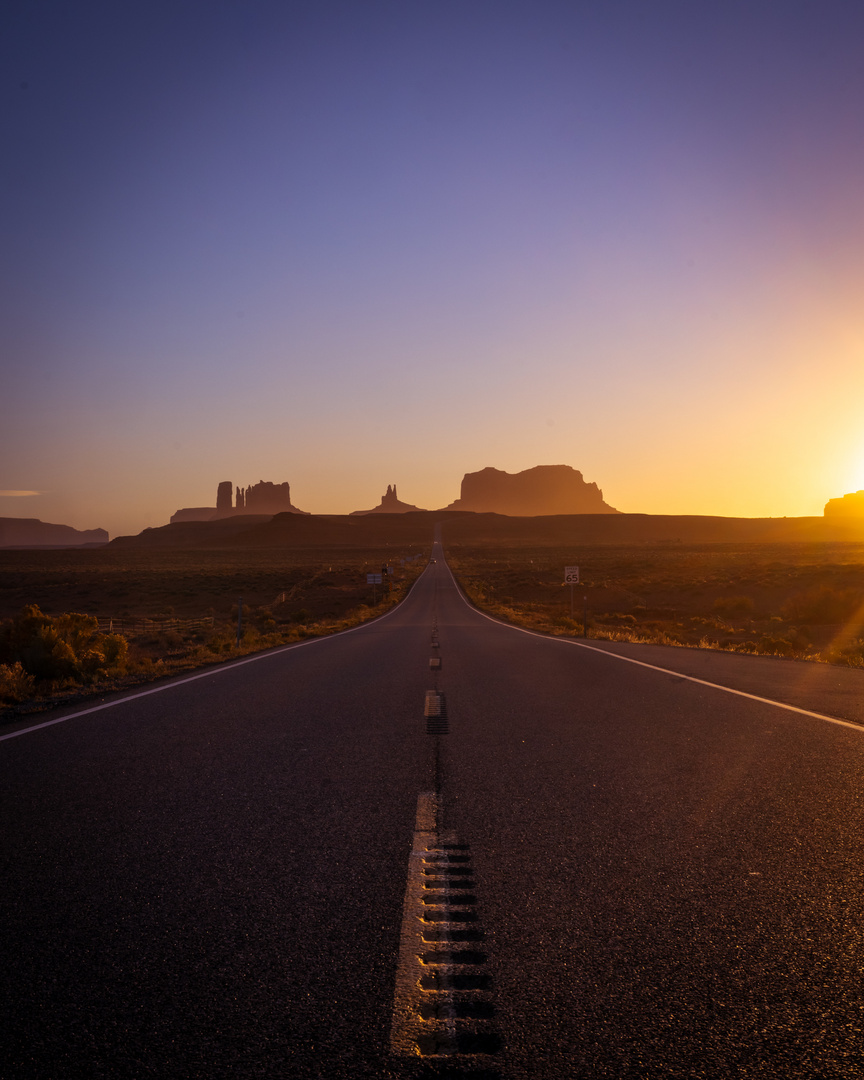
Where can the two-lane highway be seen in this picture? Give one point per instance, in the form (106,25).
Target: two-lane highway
(615,871)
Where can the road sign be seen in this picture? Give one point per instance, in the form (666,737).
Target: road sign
(571,575)
(373,579)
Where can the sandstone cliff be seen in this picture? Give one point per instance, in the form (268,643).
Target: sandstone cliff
(261,498)
(194,513)
(543,490)
(390,504)
(849,506)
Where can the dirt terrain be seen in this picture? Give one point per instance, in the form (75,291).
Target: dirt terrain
(176,609)
(172,594)
(117,582)
(792,599)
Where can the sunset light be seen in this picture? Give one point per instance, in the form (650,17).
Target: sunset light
(352,245)
(432,539)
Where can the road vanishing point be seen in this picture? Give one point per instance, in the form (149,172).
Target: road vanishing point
(439,846)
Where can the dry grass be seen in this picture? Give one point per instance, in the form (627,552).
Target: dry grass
(288,595)
(798,600)
(789,599)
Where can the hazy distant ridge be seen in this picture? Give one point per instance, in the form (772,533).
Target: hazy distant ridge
(297,530)
(31,532)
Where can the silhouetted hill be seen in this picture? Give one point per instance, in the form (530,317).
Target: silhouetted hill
(31,532)
(586,529)
(192,534)
(390,504)
(460,527)
(543,490)
(288,530)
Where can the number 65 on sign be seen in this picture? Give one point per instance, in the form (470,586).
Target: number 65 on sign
(571,575)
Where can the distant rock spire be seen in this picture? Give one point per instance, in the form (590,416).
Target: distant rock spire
(390,504)
(223,497)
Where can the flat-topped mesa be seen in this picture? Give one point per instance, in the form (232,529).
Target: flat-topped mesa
(851,505)
(390,504)
(263,498)
(193,513)
(543,490)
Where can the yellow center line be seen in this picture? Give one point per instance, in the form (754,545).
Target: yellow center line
(441,1001)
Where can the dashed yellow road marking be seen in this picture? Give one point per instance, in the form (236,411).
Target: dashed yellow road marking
(442,1005)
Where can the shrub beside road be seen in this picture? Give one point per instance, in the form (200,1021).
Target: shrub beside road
(795,600)
(84,622)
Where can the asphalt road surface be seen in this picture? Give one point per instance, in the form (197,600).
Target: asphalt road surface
(574,866)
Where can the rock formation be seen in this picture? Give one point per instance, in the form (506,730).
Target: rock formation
(194,513)
(265,498)
(545,489)
(223,497)
(851,505)
(390,504)
(31,532)
(261,498)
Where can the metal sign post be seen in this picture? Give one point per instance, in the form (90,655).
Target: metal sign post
(374,580)
(571,578)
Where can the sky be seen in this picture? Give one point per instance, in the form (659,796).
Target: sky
(353,244)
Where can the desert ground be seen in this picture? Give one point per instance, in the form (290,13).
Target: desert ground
(82,621)
(800,600)
(177,609)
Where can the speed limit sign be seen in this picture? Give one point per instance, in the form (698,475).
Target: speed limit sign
(571,575)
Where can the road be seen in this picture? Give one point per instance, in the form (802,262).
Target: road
(629,872)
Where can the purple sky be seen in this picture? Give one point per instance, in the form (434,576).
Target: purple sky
(354,244)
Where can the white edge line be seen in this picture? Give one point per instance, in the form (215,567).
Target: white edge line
(217,670)
(654,667)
